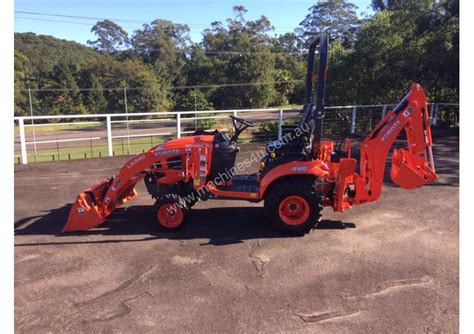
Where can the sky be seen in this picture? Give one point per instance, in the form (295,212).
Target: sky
(285,15)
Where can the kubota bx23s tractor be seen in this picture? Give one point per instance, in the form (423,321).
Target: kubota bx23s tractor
(297,177)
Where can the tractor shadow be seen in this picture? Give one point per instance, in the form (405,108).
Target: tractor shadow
(221,226)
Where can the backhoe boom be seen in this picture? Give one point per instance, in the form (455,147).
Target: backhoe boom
(411,168)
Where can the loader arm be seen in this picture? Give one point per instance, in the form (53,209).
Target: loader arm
(411,168)
(93,205)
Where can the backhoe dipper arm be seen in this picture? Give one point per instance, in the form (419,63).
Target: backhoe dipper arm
(411,168)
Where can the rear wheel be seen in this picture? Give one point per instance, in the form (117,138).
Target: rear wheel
(169,214)
(293,206)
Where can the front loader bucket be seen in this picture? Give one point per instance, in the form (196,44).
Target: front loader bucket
(409,173)
(87,211)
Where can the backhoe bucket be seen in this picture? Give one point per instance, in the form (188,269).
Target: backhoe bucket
(409,173)
(87,211)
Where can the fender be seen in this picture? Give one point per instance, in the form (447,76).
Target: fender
(316,168)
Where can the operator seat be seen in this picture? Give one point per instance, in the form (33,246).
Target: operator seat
(295,146)
(201,132)
(224,154)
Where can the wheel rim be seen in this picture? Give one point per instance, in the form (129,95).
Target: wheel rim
(170,215)
(294,210)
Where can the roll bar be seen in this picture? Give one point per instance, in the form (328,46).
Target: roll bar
(316,111)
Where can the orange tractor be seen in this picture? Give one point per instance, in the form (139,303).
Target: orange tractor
(298,176)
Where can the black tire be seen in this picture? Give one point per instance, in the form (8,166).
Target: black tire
(181,199)
(301,189)
(169,215)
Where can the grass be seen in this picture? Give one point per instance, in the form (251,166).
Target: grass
(120,148)
(49,128)
(137,145)
(39,128)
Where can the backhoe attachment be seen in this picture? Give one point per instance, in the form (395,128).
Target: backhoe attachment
(412,167)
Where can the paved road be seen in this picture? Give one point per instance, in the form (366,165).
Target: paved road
(390,266)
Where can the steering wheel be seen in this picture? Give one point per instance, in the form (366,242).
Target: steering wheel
(239,126)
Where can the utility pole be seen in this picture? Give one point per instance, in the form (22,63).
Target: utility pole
(195,109)
(195,104)
(126,112)
(32,121)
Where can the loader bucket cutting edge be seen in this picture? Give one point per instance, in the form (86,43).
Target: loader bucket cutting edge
(87,211)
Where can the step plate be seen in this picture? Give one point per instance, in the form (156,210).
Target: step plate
(242,183)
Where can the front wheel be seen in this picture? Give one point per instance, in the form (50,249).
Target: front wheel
(293,206)
(169,214)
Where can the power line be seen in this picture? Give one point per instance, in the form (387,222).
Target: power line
(238,84)
(73,22)
(210,52)
(59,21)
(172,88)
(141,22)
(127,27)
(77,17)
(253,52)
(89,25)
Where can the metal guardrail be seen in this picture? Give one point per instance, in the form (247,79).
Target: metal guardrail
(171,123)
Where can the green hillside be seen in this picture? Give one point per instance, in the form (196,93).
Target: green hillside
(373,59)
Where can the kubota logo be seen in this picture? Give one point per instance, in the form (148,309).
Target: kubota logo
(135,161)
(391,130)
(166,152)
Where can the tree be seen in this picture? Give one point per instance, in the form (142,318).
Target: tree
(192,100)
(290,66)
(379,5)
(438,31)
(21,80)
(93,99)
(403,42)
(385,4)
(43,52)
(110,37)
(257,75)
(253,67)
(64,97)
(163,44)
(337,17)
(288,42)
(397,47)
(145,91)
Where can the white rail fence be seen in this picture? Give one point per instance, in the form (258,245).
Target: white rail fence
(35,135)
